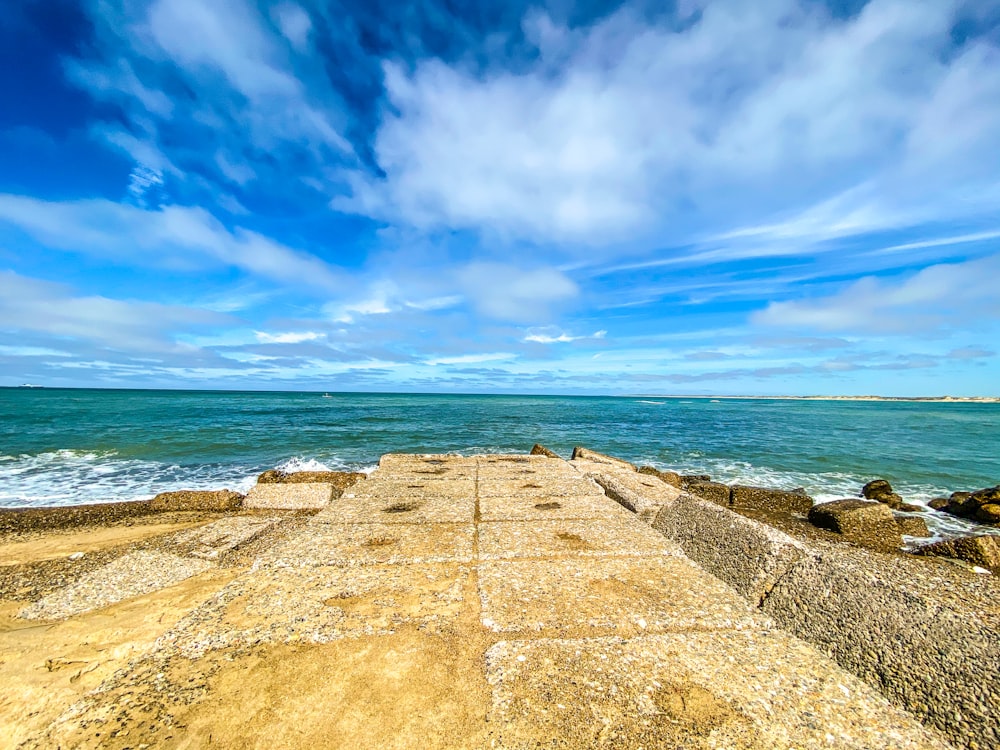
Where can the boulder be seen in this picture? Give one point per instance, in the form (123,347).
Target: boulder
(541,450)
(687,479)
(211,500)
(938,503)
(670,477)
(769,499)
(911,526)
(870,524)
(881,491)
(982,505)
(979,550)
(340,480)
(910,508)
(715,492)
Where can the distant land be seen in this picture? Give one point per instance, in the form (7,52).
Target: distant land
(925,399)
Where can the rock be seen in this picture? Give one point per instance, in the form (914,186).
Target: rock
(715,492)
(870,524)
(670,477)
(881,491)
(978,550)
(959,504)
(989,513)
(766,498)
(541,450)
(212,500)
(911,526)
(687,479)
(910,508)
(340,480)
(938,503)
(982,505)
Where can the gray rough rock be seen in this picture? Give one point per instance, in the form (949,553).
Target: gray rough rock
(869,523)
(715,492)
(911,526)
(541,450)
(881,491)
(670,477)
(978,550)
(212,500)
(340,480)
(768,499)
(938,503)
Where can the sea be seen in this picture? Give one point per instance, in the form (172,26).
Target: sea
(75,446)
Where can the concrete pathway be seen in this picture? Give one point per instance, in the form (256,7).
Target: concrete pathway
(485,602)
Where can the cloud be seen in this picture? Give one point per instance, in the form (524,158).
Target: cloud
(947,294)
(28,304)
(173,236)
(515,294)
(554,335)
(468,359)
(628,127)
(294,337)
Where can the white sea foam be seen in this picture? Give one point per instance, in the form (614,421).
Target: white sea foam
(75,477)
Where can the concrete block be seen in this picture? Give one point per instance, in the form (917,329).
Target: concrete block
(941,665)
(748,555)
(620,535)
(715,492)
(766,498)
(639,493)
(289,496)
(584,454)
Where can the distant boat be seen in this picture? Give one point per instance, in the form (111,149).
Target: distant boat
(30,385)
(327,395)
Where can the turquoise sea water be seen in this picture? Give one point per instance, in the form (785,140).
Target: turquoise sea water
(75,446)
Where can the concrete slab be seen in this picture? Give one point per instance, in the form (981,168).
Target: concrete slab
(214,540)
(617,536)
(128,576)
(547,507)
(289,496)
(326,544)
(749,690)
(538,485)
(581,596)
(399,509)
(323,604)
(385,489)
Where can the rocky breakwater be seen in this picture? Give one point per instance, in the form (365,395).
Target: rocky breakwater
(922,630)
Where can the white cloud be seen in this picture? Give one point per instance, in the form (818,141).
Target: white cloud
(177,236)
(948,294)
(294,24)
(470,359)
(625,128)
(294,337)
(509,293)
(28,304)
(554,335)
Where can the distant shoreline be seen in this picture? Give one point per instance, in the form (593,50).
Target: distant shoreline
(921,399)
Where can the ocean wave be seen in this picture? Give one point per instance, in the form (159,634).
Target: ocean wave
(80,477)
(655,403)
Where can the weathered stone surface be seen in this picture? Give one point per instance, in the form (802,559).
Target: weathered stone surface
(715,492)
(637,492)
(747,554)
(938,503)
(670,477)
(982,505)
(910,508)
(869,523)
(881,491)
(989,513)
(978,550)
(911,526)
(688,478)
(213,500)
(340,480)
(961,504)
(585,454)
(939,663)
(541,450)
(289,496)
(765,498)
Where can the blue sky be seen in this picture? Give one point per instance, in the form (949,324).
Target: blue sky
(707,196)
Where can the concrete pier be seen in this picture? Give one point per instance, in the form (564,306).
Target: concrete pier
(470,602)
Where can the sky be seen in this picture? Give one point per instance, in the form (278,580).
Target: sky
(693,197)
